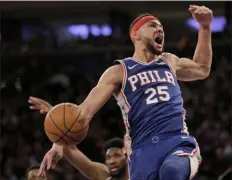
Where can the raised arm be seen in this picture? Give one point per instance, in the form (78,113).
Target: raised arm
(88,168)
(199,67)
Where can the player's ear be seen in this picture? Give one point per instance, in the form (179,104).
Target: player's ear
(137,35)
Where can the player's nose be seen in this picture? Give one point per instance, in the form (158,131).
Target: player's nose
(112,161)
(160,30)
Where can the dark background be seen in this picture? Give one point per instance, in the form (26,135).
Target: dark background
(41,56)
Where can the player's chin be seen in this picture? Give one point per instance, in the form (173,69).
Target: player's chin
(114,172)
(158,47)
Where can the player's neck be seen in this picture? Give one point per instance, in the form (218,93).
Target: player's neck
(123,176)
(144,55)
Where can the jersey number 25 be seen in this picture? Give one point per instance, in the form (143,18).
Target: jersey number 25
(160,91)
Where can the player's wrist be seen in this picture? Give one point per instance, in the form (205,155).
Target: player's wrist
(69,148)
(57,146)
(205,27)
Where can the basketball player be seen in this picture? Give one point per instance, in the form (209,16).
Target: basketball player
(116,152)
(149,96)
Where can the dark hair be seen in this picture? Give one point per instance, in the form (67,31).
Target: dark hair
(114,143)
(138,18)
(37,166)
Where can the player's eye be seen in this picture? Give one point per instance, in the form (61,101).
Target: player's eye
(107,157)
(153,25)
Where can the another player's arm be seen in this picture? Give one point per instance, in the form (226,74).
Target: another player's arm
(108,84)
(199,67)
(88,168)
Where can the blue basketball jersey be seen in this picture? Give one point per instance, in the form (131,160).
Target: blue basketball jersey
(150,100)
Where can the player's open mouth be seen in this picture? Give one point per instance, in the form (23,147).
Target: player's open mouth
(114,169)
(159,39)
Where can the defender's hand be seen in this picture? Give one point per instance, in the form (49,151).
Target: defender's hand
(39,104)
(51,158)
(202,15)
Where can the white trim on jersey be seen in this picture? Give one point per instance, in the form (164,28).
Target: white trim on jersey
(185,128)
(121,98)
(140,62)
(170,67)
(124,74)
(125,108)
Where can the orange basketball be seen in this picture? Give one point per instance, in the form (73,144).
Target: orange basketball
(63,126)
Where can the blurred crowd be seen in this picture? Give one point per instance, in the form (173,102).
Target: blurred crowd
(70,77)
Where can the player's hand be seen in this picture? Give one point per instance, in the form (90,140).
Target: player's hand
(50,159)
(202,15)
(39,104)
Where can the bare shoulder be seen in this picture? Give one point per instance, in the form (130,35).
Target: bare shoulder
(171,60)
(169,56)
(115,69)
(113,75)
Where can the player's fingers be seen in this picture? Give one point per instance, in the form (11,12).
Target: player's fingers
(42,166)
(54,162)
(194,6)
(42,111)
(49,160)
(34,107)
(32,103)
(207,11)
(34,99)
(193,11)
(42,174)
(198,11)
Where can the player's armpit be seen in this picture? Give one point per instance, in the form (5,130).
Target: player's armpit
(108,84)
(189,70)
(89,169)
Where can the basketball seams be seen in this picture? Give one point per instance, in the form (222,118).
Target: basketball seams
(65,134)
(68,130)
(74,125)
(60,137)
(64,118)
(50,116)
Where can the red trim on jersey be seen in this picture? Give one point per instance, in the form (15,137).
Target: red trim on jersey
(140,62)
(124,74)
(139,23)
(192,155)
(171,68)
(125,99)
(189,154)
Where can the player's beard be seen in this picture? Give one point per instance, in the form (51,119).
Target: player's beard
(150,47)
(121,172)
